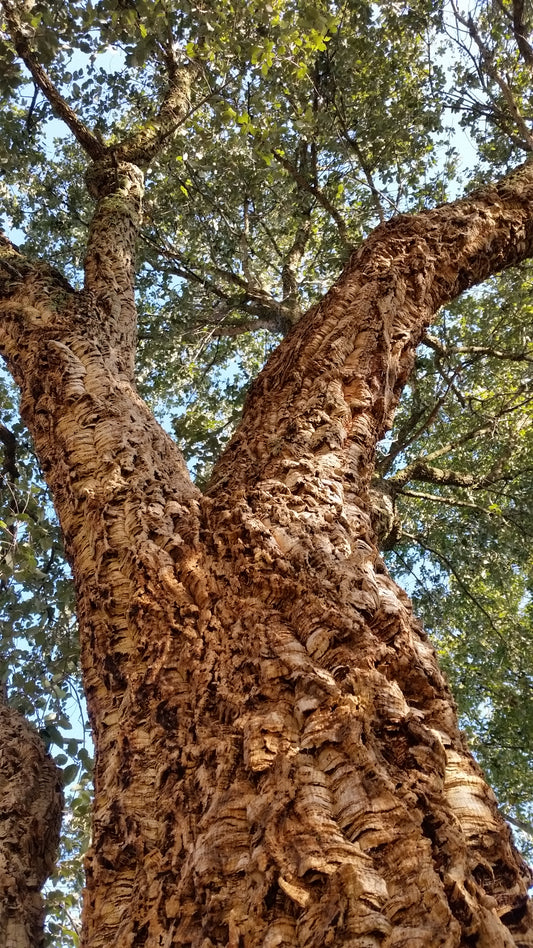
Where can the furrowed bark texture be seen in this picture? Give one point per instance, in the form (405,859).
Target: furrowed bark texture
(31,802)
(278,759)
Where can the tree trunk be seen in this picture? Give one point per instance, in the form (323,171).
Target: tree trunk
(278,761)
(31,801)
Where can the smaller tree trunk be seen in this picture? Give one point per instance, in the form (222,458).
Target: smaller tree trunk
(31,801)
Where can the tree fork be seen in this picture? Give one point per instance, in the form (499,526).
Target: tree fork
(277,753)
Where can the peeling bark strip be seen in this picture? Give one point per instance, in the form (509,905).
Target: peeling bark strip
(278,759)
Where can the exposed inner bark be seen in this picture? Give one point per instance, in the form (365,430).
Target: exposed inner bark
(278,759)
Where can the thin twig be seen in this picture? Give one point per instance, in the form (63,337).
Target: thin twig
(488,64)
(433,343)
(302,182)
(87,139)
(444,559)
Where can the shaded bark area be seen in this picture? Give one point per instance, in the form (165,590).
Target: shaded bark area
(31,802)
(278,758)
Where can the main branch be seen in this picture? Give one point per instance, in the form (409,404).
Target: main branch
(332,386)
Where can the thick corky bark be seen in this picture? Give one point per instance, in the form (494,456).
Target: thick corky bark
(278,759)
(30,814)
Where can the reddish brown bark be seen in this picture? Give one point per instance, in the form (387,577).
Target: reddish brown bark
(278,759)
